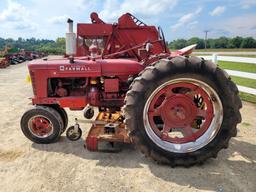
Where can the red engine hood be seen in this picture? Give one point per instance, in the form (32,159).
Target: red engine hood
(101,67)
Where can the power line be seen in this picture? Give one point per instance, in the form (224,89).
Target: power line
(205,39)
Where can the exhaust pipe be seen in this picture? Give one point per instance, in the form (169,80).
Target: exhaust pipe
(70,25)
(70,40)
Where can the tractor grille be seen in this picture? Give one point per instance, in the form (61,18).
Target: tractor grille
(33,80)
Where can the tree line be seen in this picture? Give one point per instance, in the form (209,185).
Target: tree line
(58,46)
(33,44)
(218,43)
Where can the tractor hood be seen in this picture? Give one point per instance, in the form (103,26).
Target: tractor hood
(87,68)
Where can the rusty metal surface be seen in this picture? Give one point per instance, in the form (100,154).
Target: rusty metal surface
(98,132)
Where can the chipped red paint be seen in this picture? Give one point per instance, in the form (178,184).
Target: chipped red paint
(179,111)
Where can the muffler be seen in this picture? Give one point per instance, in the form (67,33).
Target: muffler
(70,40)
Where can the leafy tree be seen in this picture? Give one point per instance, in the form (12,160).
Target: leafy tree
(211,43)
(178,44)
(58,46)
(221,42)
(236,41)
(248,42)
(32,44)
(61,43)
(196,40)
(2,43)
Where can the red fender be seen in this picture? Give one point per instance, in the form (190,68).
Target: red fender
(184,51)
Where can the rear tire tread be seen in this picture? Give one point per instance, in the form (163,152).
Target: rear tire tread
(172,67)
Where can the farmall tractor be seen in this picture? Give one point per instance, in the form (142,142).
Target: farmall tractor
(175,108)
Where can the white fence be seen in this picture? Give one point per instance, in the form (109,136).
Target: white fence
(249,90)
(232,59)
(241,74)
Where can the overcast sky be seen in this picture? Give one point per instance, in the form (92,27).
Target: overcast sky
(178,18)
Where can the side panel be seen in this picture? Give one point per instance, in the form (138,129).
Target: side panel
(75,70)
(120,67)
(115,72)
(70,102)
(93,30)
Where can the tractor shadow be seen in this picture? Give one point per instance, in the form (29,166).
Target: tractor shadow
(214,174)
(233,167)
(127,157)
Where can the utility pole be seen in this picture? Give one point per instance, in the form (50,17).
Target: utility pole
(205,39)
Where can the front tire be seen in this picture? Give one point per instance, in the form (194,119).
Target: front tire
(182,111)
(42,124)
(63,115)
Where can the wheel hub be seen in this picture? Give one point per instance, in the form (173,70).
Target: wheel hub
(180,113)
(40,126)
(178,110)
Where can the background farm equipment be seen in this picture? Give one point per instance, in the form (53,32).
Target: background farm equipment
(176,109)
(4,63)
(14,56)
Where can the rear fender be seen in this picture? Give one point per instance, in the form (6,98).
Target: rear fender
(184,51)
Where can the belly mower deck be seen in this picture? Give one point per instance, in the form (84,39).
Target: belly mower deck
(106,133)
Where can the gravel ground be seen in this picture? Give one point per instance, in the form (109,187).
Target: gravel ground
(67,166)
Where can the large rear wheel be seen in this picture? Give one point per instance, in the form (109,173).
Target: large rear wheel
(182,111)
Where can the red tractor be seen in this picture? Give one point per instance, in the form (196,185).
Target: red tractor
(176,109)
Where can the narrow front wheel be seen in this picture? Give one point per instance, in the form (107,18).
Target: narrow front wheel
(42,124)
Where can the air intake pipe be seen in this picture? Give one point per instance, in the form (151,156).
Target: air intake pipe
(70,40)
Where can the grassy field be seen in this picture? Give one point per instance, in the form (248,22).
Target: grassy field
(248,97)
(225,50)
(247,83)
(245,67)
(244,82)
(248,56)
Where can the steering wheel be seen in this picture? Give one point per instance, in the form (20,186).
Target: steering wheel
(161,37)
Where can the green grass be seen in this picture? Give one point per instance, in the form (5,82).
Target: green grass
(224,50)
(247,56)
(248,97)
(245,67)
(244,81)
(247,83)
(246,124)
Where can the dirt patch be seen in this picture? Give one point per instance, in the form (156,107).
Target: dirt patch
(10,155)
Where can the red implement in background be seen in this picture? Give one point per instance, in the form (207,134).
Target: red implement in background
(125,38)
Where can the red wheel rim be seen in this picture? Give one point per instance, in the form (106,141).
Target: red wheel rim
(184,110)
(40,126)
